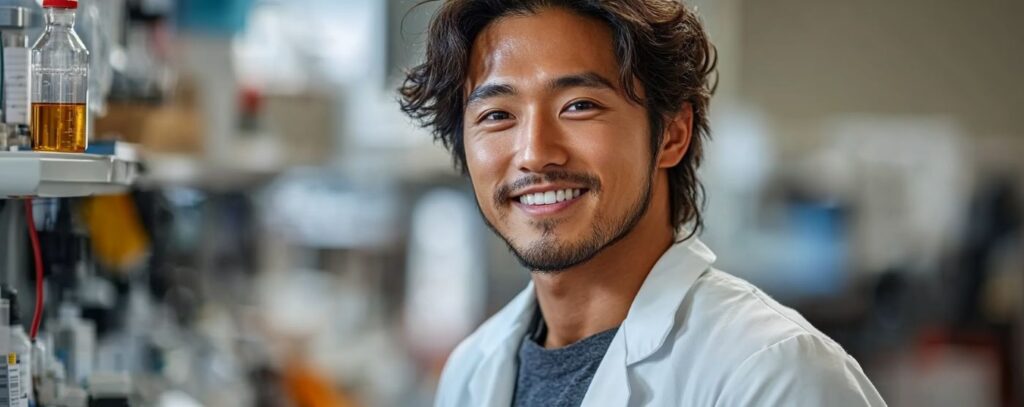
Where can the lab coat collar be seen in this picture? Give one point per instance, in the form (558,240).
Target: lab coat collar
(653,313)
(650,320)
(648,323)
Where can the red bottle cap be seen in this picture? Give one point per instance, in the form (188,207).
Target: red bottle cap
(60,3)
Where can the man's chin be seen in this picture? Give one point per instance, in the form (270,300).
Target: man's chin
(551,246)
(552,255)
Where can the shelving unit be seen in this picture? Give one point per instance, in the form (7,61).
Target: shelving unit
(59,175)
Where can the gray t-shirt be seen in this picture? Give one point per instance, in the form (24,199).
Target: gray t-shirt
(557,377)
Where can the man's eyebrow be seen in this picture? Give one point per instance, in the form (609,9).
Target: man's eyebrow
(585,80)
(489,91)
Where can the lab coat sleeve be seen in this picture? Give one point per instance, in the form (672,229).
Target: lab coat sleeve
(803,370)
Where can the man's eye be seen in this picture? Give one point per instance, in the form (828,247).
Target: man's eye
(581,106)
(496,116)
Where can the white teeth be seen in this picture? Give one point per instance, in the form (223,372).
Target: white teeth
(549,197)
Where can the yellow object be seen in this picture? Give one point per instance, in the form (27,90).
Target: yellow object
(119,240)
(58,127)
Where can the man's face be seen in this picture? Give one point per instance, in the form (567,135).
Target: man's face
(558,155)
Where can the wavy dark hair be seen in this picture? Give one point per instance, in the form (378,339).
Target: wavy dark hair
(660,43)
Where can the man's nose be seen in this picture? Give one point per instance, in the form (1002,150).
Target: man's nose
(540,145)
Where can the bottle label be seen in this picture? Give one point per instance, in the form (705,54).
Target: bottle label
(10,382)
(16,88)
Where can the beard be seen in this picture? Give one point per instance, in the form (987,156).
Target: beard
(552,253)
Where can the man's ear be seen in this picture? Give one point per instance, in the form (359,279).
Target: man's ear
(676,137)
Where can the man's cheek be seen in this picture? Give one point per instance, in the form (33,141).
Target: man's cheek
(484,197)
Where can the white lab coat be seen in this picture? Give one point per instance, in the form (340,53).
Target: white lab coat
(694,336)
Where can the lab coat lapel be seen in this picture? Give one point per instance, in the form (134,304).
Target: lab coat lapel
(493,382)
(653,313)
(649,322)
(610,385)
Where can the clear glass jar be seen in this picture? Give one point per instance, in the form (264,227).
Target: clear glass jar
(60,82)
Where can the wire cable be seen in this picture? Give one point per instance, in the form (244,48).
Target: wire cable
(33,235)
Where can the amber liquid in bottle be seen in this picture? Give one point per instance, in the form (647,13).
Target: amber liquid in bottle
(58,127)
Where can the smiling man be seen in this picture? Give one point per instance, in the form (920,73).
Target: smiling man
(580,125)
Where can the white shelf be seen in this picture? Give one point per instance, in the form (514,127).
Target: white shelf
(58,175)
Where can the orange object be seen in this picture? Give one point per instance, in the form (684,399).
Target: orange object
(309,389)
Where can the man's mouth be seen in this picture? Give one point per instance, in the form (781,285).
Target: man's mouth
(550,197)
(546,193)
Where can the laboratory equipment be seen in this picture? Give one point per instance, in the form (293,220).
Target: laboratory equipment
(60,77)
(20,346)
(14,100)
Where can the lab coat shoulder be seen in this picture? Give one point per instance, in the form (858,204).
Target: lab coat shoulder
(766,353)
(738,313)
(804,370)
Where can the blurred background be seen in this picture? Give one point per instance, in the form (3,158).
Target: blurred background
(270,230)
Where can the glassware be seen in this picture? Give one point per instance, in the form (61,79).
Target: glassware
(14,21)
(60,82)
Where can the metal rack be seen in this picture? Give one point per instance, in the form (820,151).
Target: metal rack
(58,175)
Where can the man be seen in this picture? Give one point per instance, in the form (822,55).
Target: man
(580,124)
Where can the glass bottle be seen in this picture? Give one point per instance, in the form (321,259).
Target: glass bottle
(14,22)
(60,78)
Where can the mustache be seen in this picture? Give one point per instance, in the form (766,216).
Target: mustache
(588,181)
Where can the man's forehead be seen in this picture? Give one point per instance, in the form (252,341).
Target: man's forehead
(534,48)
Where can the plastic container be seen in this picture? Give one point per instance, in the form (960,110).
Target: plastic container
(20,345)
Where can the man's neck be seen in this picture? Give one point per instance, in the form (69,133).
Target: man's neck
(596,296)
